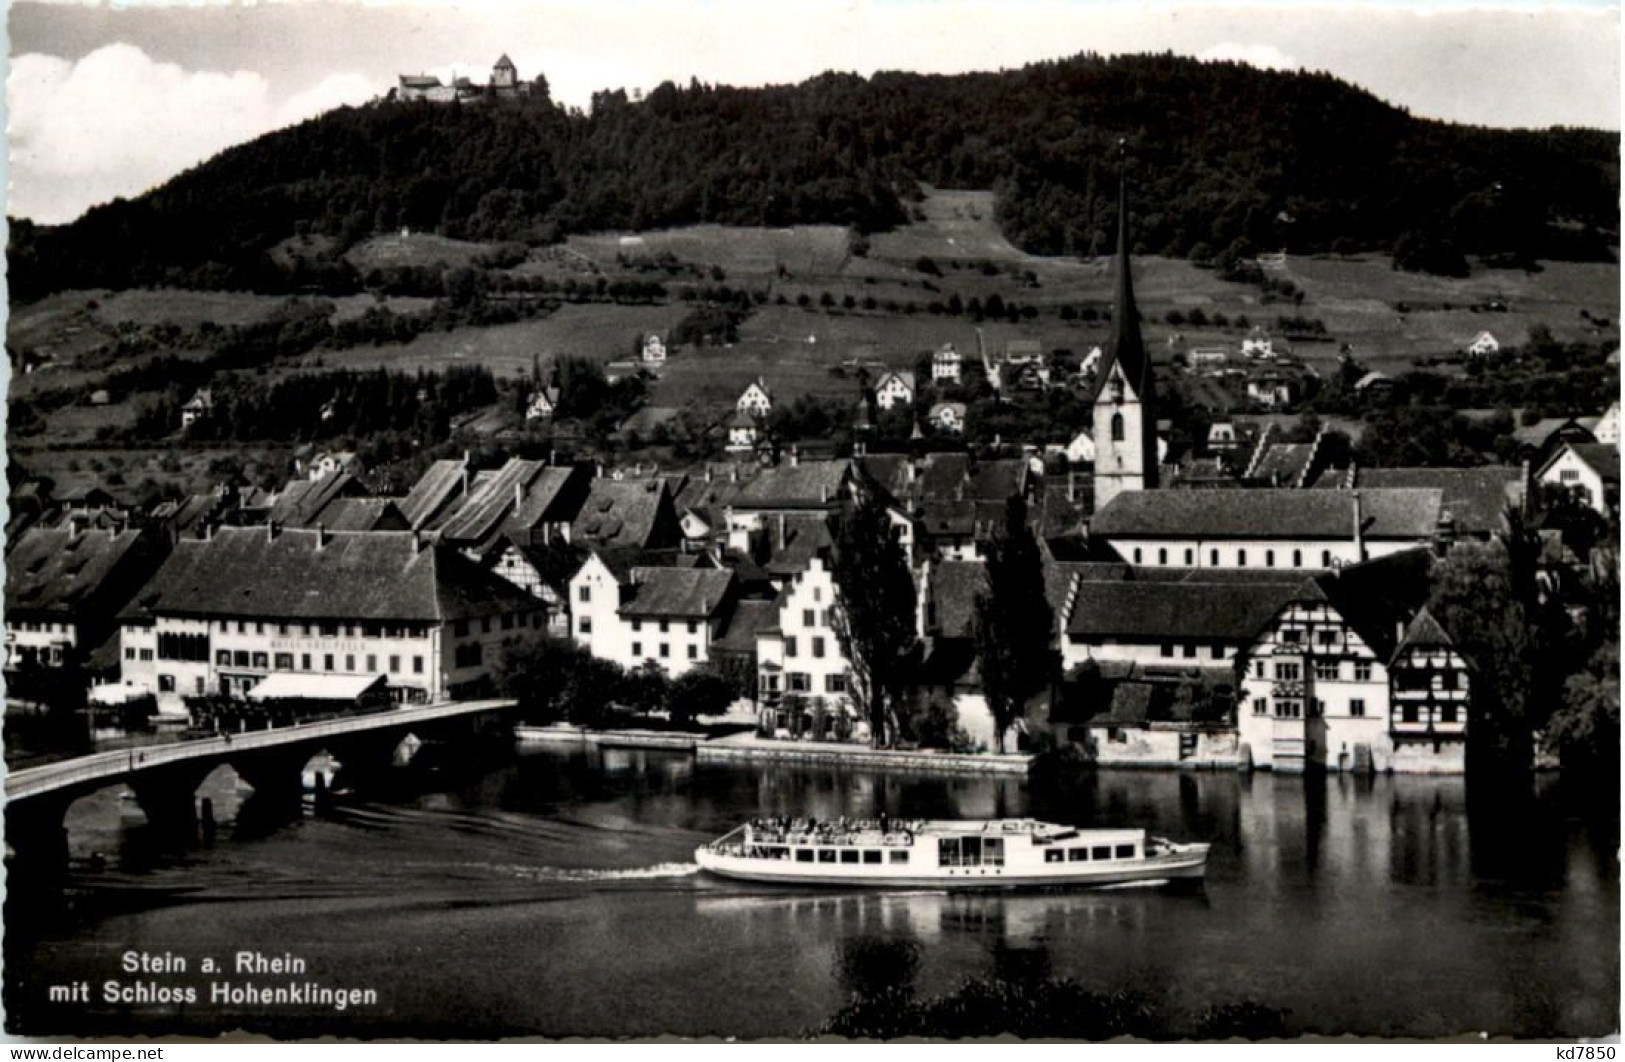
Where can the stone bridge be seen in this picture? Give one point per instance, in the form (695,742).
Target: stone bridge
(164,778)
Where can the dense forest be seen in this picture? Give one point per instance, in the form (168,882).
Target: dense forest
(1224,159)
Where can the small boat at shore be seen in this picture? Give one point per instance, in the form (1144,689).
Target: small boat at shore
(948,854)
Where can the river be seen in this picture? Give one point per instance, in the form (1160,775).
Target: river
(556,895)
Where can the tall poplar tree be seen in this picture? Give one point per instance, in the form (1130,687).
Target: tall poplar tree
(1013,623)
(875,618)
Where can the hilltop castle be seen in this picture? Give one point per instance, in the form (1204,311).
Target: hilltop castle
(504,84)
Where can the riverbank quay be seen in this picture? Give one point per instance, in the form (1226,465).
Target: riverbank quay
(750,747)
(568,735)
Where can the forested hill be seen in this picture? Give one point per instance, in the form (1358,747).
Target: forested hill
(1223,158)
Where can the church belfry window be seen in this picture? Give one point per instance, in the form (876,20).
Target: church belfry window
(1117,427)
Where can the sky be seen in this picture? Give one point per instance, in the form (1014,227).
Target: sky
(108,101)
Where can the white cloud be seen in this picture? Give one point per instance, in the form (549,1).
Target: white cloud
(1263,56)
(116,123)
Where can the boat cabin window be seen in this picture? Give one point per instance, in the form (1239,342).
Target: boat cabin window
(826,855)
(774,851)
(970,851)
(899,855)
(1125,851)
(1101,851)
(804,855)
(849,855)
(1077,855)
(871,855)
(1055,855)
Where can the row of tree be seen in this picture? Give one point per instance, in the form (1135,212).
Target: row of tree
(1227,158)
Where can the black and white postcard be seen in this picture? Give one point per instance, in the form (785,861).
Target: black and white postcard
(910,518)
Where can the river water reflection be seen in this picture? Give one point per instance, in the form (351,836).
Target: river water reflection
(556,895)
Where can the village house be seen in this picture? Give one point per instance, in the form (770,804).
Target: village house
(743,432)
(1081,449)
(1588,470)
(895,388)
(1265,528)
(544,402)
(63,588)
(633,615)
(1475,500)
(755,399)
(635,514)
(654,349)
(199,407)
(544,572)
(1208,359)
(948,675)
(948,418)
(1353,674)
(1272,389)
(1221,436)
(224,613)
(1607,426)
(332,462)
(1482,344)
(1258,344)
(946,365)
(800,666)
(1201,622)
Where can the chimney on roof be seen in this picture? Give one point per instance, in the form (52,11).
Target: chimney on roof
(823,493)
(321,536)
(271,530)
(518,497)
(1071,486)
(733,473)
(1444,535)
(1359,529)
(781,532)
(418,542)
(795,455)
(708,473)
(76,527)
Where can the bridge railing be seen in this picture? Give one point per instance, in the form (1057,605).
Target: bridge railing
(32,781)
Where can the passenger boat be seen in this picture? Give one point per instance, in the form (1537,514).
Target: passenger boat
(944,854)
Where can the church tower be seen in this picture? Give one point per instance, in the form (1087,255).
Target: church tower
(1125,402)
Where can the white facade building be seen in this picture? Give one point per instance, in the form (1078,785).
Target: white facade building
(945,365)
(637,615)
(756,399)
(802,655)
(895,389)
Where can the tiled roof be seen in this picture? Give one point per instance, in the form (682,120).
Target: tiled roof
(1539,433)
(944,475)
(804,538)
(1424,631)
(1602,457)
(948,518)
(1376,597)
(997,480)
(490,502)
(63,573)
(692,593)
(433,493)
(1174,611)
(380,575)
(1283,464)
(808,484)
(302,502)
(620,513)
(749,618)
(364,514)
(1269,514)
(1476,498)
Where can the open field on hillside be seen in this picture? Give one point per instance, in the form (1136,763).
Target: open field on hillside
(816,250)
(599,331)
(414,249)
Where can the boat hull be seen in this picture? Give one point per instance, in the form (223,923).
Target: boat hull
(1186,865)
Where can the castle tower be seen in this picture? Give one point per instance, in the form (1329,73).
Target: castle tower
(1125,409)
(504,77)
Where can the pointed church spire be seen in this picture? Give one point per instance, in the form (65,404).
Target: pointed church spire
(1126,345)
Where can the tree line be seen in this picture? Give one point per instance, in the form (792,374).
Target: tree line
(1227,160)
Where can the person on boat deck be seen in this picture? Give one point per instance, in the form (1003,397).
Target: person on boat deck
(882,822)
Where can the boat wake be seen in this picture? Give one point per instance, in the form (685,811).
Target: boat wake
(581,875)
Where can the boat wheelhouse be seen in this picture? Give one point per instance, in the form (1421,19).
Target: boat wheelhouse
(997,853)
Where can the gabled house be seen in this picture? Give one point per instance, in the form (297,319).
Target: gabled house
(1482,344)
(627,514)
(743,431)
(634,615)
(945,366)
(756,399)
(895,388)
(948,418)
(544,402)
(63,588)
(1588,470)
(332,462)
(198,407)
(654,349)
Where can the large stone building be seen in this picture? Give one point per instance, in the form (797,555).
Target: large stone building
(63,588)
(633,615)
(1268,528)
(224,613)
